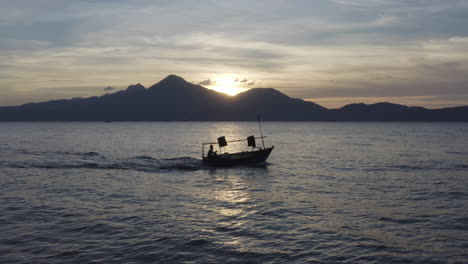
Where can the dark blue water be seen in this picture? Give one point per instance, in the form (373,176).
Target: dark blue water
(138,193)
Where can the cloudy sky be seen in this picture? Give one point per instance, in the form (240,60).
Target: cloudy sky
(332,52)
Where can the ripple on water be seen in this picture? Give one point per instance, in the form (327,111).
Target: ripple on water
(85,193)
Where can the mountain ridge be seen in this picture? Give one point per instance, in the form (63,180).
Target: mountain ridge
(174,99)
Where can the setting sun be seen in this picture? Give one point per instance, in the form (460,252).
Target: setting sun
(230,86)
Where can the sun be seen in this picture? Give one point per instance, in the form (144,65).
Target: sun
(227,85)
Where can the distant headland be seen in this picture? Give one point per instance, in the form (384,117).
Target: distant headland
(174,99)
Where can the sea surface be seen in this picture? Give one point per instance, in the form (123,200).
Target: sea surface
(331,192)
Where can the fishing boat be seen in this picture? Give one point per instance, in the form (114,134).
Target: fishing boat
(256,155)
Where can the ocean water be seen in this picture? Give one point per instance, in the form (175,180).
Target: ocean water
(139,193)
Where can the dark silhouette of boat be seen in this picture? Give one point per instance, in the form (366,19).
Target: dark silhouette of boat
(226,159)
(256,155)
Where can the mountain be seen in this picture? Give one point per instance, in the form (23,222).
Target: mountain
(396,112)
(174,99)
(274,105)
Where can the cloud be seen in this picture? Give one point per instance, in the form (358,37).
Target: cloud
(7,76)
(11,96)
(109,88)
(297,45)
(245,82)
(207,82)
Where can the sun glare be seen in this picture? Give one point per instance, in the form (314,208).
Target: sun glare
(228,86)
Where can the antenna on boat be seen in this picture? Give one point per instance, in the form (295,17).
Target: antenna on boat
(261,133)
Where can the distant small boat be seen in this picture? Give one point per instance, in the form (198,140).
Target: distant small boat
(256,155)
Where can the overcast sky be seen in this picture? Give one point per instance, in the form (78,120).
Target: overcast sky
(332,52)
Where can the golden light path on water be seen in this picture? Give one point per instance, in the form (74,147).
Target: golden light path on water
(238,202)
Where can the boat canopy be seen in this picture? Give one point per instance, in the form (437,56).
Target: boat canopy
(251,141)
(222,141)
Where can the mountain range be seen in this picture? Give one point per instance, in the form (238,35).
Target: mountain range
(174,99)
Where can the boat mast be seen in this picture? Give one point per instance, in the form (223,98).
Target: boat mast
(261,133)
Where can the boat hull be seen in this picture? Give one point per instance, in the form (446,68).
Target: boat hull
(239,158)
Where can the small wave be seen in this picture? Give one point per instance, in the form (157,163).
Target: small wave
(428,167)
(358,144)
(407,155)
(402,221)
(410,167)
(90,154)
(139,163)
(29,152)
(182,163)
(60,165)
(197,242)
(454,195)
(80,154)
(461,166)
(464,153)
(97,228)
(227,228)
(460,223)
(67,153)
(144,157)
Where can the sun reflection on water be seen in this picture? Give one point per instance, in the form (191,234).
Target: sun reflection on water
(236,204)
(236,196)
